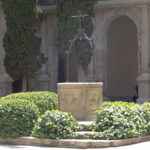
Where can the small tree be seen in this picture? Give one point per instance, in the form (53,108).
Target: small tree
(23,57)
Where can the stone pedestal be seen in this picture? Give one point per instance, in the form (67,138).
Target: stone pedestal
(81,99)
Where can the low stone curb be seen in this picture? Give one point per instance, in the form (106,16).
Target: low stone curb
(73,143)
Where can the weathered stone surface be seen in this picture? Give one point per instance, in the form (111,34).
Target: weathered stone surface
(81,99)
(73,143)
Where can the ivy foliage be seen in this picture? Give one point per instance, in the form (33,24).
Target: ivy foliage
(23,57)
(68,27)
(55,125)
(17,118)
(122,120)
(43,100)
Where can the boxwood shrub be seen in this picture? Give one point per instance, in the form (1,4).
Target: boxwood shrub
(55,125)
(43,100)
(17,118)
(120,120)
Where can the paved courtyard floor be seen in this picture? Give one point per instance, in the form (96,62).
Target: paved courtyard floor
(140,146)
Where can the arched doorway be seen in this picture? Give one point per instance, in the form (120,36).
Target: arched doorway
(122,59)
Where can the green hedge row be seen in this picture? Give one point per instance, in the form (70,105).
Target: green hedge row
(55,125)
(120,120)
(35,113)
(43,100)
(17,118)
(19,112)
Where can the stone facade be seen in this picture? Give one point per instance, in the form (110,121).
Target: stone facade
(138,11)
(106,14)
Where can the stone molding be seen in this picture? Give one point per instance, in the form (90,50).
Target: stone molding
(119,3)
(73,143)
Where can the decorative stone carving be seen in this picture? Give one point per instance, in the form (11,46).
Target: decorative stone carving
(81,99)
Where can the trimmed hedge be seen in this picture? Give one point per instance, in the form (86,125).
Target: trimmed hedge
(55,125)
(17,118)
(43,100)
(120,120)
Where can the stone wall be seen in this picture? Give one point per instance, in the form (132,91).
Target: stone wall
(138,12)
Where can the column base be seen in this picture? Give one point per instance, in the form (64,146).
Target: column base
(5,85)
(144,87)
(141,100)
(41,83)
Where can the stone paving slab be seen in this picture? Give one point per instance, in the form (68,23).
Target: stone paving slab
(140,146)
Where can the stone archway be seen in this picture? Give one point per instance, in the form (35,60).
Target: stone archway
(122,59)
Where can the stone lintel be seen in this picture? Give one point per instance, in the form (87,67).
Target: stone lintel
(80,84)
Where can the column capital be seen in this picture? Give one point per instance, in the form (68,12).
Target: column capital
(143,87)
(144,77)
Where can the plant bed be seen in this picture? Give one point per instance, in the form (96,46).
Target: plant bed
(117,124)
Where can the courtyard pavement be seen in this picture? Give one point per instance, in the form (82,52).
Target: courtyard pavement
(140,146)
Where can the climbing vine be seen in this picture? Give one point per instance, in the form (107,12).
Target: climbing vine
(22,47)
(68,27)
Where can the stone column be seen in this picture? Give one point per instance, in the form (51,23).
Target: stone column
(52,52)
(42,79)
(5,80)
(47,76)
(144,77)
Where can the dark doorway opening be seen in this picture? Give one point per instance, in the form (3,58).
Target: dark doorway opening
(61,69)
(17,86)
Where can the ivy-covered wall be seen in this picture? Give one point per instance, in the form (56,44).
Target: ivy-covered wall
(69,22)
(23,57)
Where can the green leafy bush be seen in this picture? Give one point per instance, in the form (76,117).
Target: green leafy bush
(17,118)
(120,120)
(55,125)
(43,100)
